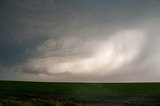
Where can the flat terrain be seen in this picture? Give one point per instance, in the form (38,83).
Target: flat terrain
(60,94)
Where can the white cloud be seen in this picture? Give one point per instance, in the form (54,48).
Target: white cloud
(81,57)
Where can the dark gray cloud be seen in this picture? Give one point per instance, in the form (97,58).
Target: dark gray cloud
(79,38)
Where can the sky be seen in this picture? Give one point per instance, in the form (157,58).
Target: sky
(80,40)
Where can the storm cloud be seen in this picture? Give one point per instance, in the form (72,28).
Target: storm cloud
(80,40)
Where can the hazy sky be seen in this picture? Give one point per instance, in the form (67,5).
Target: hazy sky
(80,40)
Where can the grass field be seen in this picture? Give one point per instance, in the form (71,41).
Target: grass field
(60,94)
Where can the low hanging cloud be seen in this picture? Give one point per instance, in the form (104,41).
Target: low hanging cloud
(75,56)
(81,40)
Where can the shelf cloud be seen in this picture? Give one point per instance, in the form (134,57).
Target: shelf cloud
(80,41)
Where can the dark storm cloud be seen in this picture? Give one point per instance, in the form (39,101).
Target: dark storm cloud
(39,36)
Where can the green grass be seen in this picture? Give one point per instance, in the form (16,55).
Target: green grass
(28,93)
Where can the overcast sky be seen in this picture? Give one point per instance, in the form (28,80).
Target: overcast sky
(80,40)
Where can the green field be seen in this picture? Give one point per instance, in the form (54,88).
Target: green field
(59,94)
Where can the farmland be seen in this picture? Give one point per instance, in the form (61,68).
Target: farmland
(59,94)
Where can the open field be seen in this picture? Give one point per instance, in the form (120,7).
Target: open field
(59,94)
